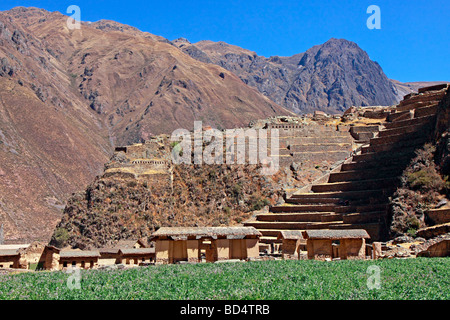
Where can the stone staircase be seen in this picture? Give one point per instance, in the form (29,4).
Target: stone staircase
(357,195)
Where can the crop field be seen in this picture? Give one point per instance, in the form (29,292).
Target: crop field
(419,278)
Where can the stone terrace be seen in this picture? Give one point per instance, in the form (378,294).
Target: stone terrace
(356,196)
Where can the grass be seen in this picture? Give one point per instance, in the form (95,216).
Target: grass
(421,278)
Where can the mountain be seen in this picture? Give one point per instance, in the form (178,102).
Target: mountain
(67,97)
(330,77)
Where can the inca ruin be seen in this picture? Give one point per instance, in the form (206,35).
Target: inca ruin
(287,163)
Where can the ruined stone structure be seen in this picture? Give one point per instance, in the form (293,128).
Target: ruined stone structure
(439,249)
(349,244)
(293,243)
(356,194)
(150,161)
(174,245)
(312,144)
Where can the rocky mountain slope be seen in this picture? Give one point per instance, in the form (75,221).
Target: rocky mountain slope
(69,96)
(330,77)
(50,143)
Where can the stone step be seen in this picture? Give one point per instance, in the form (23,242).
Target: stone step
(398,145)
(361,201)
(292,217)
(426,111)
(323,147)
(385,156)
(438,216)
(369,184)
(321,156)
(364,217)
(288,225)
(351,208)
(361,174)
(349,195)
(426,125)
(416,105)
(400,116)
(425,97)
(303,208)
(313,140)
(329,217)
(392,139)
(363,129)
(436,87)
(383,164)
(306,200)
(433,231)
(407,123)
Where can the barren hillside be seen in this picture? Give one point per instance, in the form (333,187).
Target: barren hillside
(67,97)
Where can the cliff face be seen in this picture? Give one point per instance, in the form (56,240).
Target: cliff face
(330,77)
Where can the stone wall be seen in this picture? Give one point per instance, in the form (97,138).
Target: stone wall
(440,249)
(9,262)
(319,249)
(352,249)
(80,262)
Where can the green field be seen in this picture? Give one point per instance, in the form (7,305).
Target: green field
(420,278)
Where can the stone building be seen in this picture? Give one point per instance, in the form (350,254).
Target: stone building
(174,245)
(9,258)
(350,244)
(292,243)
(108,256)
(34,256)
(111,255)
(78,258)
(136,256)
(39,256)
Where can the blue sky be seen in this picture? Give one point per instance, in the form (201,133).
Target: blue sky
(413,43)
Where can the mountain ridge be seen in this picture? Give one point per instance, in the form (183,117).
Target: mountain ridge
(329,77)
